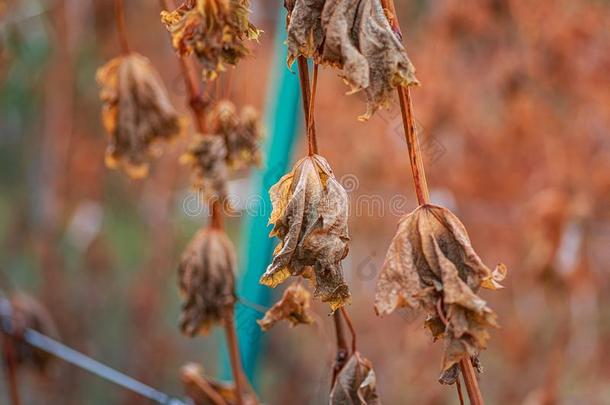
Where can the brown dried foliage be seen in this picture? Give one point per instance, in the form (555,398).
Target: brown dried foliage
(293,307)
(214,30)
(207,159)
(355,37)
(356,384)
(207,281)
(137,112)
(242,133)
(432,266)
(310,211)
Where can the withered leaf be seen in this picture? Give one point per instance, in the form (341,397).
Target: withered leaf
(29,313)
(242,133)
(214,30)
(356,384)
(430,265)
(355,37)
(309,216)
(207,159)
(136,113)
(293,307)
(207,281)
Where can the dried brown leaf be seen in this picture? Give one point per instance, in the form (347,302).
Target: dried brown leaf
(214,30)
(293,307)
(356,384)
(310,210)
(242,133)
(207,281)
(430,265)
(136,113)
(355,37)
(207,159)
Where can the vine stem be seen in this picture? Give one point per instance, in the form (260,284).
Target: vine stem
(236,367)
(342,348)
(308,98)
(119,14)
(421,189)
(10,364)
(191,377)
(197,101)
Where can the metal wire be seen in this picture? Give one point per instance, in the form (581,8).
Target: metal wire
(69,355)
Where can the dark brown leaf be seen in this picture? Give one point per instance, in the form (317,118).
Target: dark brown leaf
(293,307)
(310,210)
(207,281)
(137,112)
(356,384)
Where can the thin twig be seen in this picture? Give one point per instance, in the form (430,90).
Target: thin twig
(350,326)
(10,364)
(236,368)
(312,141)
(306,96)
(191,379)
(197,102)
(458,385)
(119,14)
(470,379)
(342,348)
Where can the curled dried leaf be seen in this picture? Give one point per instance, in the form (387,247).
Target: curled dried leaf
(309,216)
(431,265)
(293,307)
(207,281)
(304,26)
(29,313)
(207,159)
(137,112)
(355,37)
(356,384)
(214,30)
(243,133)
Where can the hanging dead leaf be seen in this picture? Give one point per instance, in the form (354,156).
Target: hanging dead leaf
(355,37)
(305,33)
(214,30)
(137,112)
(309,216)
(242,133)
(431,265)
(293,307)
(207,281)
(207,159)
(356,384)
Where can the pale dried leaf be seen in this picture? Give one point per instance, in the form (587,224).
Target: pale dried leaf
(293,307)
(310,210)
(430,265)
